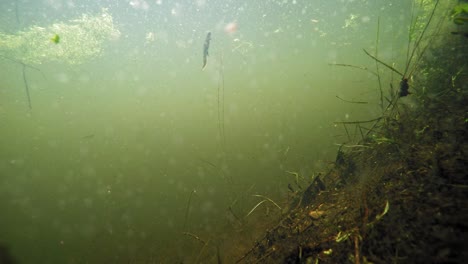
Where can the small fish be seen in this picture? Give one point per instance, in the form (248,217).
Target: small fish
(55,39)
(206,46)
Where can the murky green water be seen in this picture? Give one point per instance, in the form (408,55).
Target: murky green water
(124,123)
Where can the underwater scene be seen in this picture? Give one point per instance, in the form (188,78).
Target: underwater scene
(230,131)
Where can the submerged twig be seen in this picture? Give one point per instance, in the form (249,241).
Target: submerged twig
(353,146)
(353,66)
(349,101)
(25,80)
(195,237)
(359,122)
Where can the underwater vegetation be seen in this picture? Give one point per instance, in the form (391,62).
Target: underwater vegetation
(80,40)
(394,193)
(460,14)
(76,42)
(397,190)
(460,18)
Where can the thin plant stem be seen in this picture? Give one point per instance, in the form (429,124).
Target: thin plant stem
(416,44)
(187,210)
(384,64)
(221,105)
(16,13)
(270,200)
(377,64)
(255,207)
(265,199)
(353,66)
(26,85)
(349,101)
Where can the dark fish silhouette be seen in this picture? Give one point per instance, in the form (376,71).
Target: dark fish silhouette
(206,46)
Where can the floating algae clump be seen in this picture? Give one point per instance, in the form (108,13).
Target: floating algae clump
(80,40)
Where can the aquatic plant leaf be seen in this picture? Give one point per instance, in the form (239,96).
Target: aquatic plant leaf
(387,206)
(460,8)
(342,236)
(80,40)
(459,14)
(460,20)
